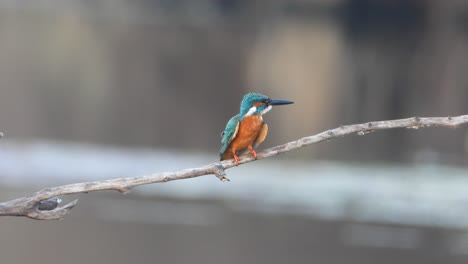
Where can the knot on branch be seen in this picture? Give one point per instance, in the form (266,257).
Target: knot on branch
(124,190)
(49,204)
(55,214)
(365,132)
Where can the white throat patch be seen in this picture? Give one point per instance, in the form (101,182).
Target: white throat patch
(266,110)
(251,111)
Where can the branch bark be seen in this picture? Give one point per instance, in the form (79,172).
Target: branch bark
(44,204)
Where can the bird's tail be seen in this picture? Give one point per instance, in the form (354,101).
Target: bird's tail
(225,155)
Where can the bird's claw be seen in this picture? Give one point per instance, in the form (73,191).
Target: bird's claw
(236,160)
(252,151)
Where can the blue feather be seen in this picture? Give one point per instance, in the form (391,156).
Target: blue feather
(228,133)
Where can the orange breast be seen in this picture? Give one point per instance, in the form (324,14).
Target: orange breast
(249,129)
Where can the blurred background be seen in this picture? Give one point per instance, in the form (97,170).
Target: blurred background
(93,90)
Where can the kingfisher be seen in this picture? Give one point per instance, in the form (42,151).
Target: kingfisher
(246,130)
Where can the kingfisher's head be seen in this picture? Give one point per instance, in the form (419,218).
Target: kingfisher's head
(258,104)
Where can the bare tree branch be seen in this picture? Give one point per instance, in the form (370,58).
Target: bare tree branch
(44,204)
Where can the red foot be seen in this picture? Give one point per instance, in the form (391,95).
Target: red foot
(236,158)
(252,151)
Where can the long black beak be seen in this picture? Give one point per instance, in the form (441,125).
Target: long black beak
(281,102)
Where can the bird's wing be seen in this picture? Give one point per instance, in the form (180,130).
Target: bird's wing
(261,135)
(229,133)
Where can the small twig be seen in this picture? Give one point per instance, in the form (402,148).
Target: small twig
(220,173)
(41,205)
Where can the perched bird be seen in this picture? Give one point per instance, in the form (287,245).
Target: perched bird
(246,130)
